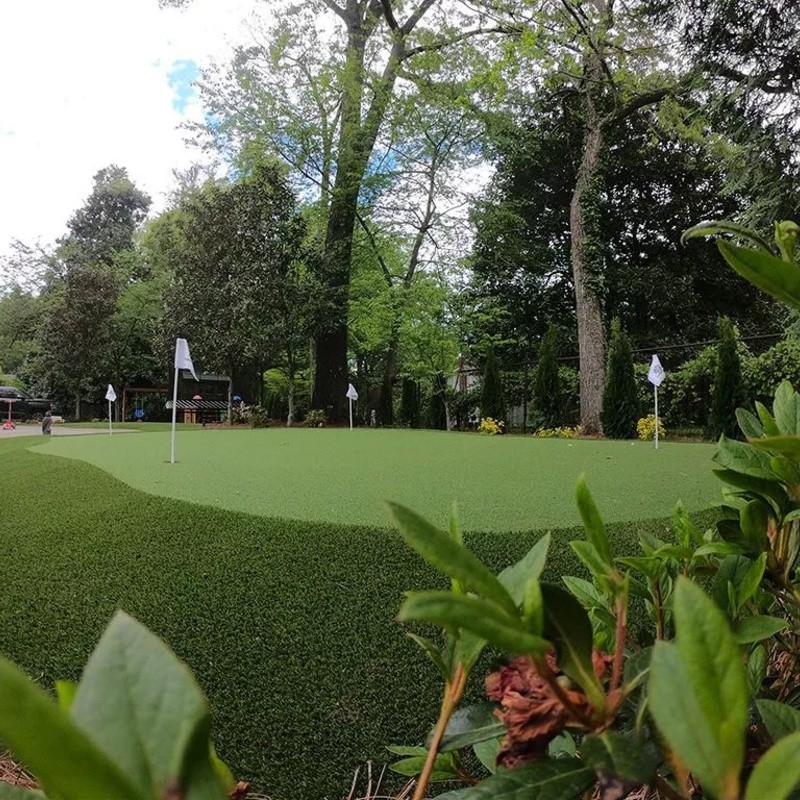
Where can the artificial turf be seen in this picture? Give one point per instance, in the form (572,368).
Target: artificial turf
(342,476)
(288,625)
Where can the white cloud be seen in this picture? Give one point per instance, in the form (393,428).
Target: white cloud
(86,84)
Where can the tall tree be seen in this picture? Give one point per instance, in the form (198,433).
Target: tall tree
(548,404)
(620,395)
(105,225)
(727,394)
(236,254)
(75,334)
(325,116)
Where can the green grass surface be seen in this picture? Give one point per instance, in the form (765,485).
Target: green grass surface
(500,483)
(289,626)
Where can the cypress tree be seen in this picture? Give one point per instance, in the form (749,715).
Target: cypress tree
(547,405)
(727,394)
(410,403)
(620,396)
(436,417)
(493,403)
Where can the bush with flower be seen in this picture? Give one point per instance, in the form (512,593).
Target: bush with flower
(646,428)
(491,426)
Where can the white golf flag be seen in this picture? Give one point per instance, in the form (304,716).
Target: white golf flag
(352,394)
(656,374)
(182,358)
(111,395)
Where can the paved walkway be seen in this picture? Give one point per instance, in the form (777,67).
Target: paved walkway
(36,430)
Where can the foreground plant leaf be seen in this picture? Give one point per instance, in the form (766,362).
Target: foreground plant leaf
(9,792)
(449,557)
(779,719)
(568,627)
(754,629)
(65,760)
(620,756)
(530,566)
(481,617)
(698,693)
(145,710)
(777,773)
(770,273)
(471,725)
(559,779)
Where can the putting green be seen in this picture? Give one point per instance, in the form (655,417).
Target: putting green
(501,483)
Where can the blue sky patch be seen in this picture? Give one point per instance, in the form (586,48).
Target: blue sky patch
(183,73)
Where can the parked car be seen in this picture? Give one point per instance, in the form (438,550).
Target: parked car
(25,407)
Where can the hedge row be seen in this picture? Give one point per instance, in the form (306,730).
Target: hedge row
(288,626)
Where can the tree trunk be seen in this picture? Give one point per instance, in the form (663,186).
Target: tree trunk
(290,401)
(591,340)
(448,424)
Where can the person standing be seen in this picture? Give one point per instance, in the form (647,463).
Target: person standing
(47,422)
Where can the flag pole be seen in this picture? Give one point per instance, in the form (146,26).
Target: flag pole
(655,390)
(350,400)
(110,427)
(174,417)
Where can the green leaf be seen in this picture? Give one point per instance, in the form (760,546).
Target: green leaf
(749,424)
(144,708)
(65,692)
(444,768)
(767,420)
(788,446)
(685,531)
(620,756)
(753,521)
(779,719)
(482,617)
(562,745)
(9,792)
(756,670)
(777,773)
(407,750)
(593,522)
(766,271)
(559,779)
(470,725)
(533,607)
(515,577)
(66,761)
(433,652)
(568,627)
(744,458)
(593,561)
(486,752)
(717,549)
(698,692)
(649,566)
(468,649)
(637,666)
(586,592)
(751,581)
(671,551)
(786,409)
(754,629)
(733,570)
(723,226)
(770,489)
(449,557)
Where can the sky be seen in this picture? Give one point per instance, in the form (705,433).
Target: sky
(88,83)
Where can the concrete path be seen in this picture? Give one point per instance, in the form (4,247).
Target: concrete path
(36,430)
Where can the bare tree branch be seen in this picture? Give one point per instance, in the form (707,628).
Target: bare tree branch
(338,10)
(412,21)
(389,14)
